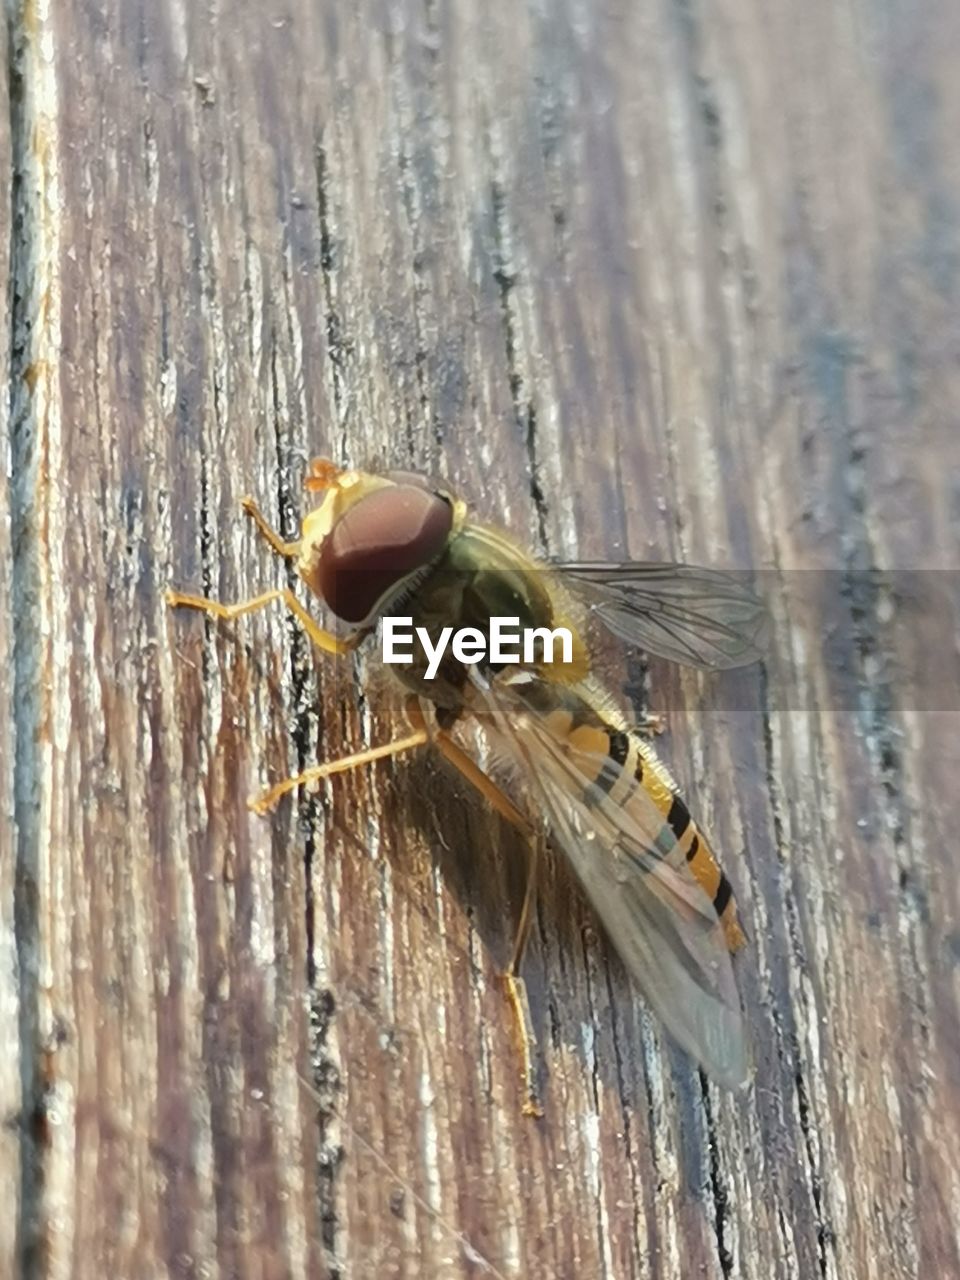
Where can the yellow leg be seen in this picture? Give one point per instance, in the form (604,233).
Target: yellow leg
(651,726)
(471,771)
(526,911)
(264,803)
(324,640)
(516,990)
(286,549)
(515,986)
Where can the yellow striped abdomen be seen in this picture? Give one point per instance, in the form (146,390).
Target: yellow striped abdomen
(625,764)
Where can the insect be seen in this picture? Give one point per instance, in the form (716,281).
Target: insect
(395,544)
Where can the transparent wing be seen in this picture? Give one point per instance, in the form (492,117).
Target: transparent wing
(658,917)
(701,617)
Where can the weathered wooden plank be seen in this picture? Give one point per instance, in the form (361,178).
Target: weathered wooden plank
(9,1003)
(638,279)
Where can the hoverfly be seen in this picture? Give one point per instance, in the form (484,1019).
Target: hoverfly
(383,545)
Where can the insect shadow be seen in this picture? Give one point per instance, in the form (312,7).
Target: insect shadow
(581,999)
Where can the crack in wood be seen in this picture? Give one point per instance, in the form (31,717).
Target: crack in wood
(306,727)
(718,1188)
(336,343)
(25,448)
(525,413)
(325,1078)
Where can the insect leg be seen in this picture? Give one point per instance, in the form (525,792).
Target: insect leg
(265,802)
(651,725)
(471,771)
(286,549)
(324,640)
(526,911)
(515,986)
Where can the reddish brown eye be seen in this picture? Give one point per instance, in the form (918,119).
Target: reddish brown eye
(382,538)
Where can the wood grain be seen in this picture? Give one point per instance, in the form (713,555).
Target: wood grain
(9,1027)
(663,280)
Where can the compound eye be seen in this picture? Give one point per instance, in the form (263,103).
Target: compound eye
(382,539)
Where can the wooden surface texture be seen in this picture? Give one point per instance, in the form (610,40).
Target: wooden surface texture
(663,279)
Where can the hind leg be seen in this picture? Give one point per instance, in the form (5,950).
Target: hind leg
(514,984)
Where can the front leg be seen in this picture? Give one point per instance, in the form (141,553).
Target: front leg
(324,640)
(289,550)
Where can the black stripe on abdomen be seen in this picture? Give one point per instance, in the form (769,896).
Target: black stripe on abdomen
(618,749)
(678,819)
(723,895)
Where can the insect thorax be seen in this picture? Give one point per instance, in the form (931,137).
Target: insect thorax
(479,577)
